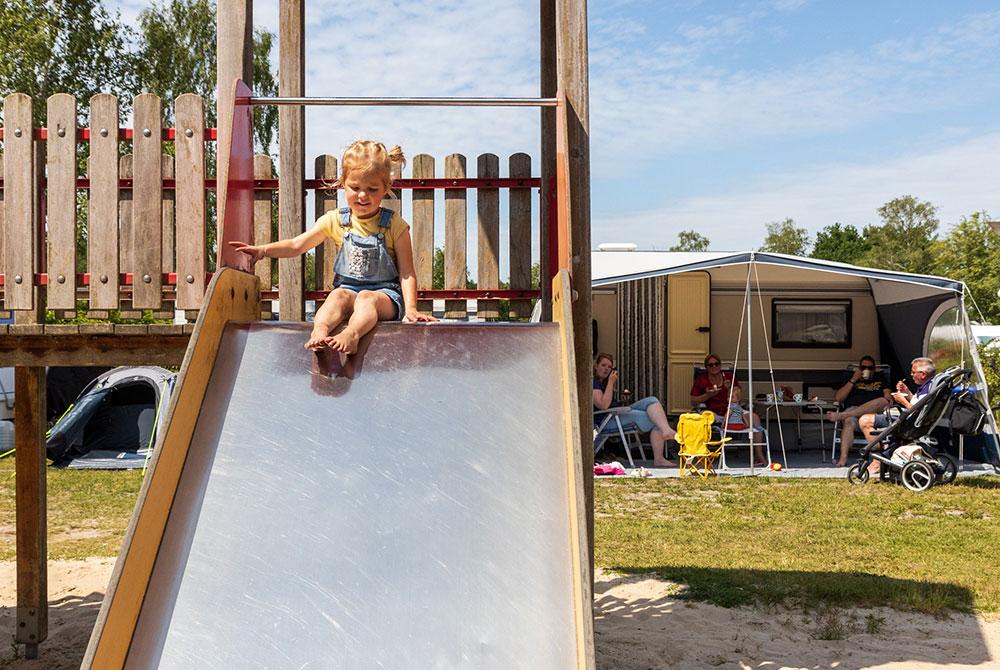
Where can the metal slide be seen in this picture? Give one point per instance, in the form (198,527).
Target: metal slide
(405,508)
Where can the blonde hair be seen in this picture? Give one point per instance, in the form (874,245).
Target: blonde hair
(370,159)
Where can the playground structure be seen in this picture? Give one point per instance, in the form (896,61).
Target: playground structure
(38,270)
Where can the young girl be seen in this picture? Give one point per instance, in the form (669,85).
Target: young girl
(374,264)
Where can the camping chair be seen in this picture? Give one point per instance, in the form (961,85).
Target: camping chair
(611,425)
(694,433)
(880,369)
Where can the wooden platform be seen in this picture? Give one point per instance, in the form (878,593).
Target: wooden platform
(93,344)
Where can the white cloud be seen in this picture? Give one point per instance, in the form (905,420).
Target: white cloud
(959,180)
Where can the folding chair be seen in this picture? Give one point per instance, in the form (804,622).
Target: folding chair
(694,433)
(611,425)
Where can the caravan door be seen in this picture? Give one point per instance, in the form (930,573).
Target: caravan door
(688,318)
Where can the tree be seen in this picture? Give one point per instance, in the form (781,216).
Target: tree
(840,243)
(903,241)
(437,271)
(63,46)
(784,237)
(690,240)
(177,53)
(970,252)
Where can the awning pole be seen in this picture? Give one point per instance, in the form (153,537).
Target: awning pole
(750,400)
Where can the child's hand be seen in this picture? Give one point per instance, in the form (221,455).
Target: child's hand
(413,316)
(254,252)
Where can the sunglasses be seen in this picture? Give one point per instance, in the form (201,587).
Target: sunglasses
(713,364)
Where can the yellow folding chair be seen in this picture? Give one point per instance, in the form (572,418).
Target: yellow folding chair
(698,452)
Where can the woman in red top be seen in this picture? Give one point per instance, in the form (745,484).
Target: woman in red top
(713,390)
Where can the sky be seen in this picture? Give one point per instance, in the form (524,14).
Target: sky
(718,117)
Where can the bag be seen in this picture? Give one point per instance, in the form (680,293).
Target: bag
(967,415)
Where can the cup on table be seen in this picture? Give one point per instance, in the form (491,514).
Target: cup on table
(797,397)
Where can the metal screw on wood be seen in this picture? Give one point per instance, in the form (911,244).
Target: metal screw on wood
(104,132)
(146,132)
(189,279)
(18,279)
(146,279)
(189,132)
(104,279)
(61,279)
(17,132)
(61,132)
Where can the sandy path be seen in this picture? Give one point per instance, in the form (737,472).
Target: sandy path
(639,624)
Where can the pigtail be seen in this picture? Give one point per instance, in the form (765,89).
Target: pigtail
(395,155)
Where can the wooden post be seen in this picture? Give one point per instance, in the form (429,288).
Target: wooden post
(572,75)
(263,201)
(547,167)
(30,501)
(292,153)
(191,210)
(423,228)
(488,236)
(326,201)
(455,222)
(234,56)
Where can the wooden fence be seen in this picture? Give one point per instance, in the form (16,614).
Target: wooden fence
(140,198)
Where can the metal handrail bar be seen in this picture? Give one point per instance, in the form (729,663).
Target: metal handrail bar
(401,102)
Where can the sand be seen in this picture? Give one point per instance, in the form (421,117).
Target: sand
(639,623)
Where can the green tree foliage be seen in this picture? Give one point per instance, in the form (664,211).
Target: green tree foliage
(784,237)
(63,46)
(903,242)
(690,240)
(177,53)
(970,252)
(844,244)
(437,271)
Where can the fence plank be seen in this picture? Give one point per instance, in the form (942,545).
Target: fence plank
(423,228)
(168,207)
(102,219)
(60,206)
(3,267)
(190,168)
(488,236)
(126,259)
(19,233)
(520,235)
(263,168)
(325,168)
(455,233)
(147,196)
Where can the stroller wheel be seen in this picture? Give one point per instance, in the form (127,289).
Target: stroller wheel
(949,469)
(857,475)
(917,476)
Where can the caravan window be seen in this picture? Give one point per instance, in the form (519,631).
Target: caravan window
(811,323)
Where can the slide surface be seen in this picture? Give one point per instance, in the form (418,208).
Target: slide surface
(406,507)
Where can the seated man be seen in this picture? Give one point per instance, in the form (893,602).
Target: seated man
(865,392)
(922,371)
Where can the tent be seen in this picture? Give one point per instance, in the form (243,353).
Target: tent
(797,321)
(113,422)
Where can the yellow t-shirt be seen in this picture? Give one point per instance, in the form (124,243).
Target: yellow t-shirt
(330,223)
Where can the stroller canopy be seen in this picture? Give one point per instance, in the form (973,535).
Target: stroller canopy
(115,418)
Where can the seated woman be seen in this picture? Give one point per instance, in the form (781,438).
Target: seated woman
(646,415)
(713,389)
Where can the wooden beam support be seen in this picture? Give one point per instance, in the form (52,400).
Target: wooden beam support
(30,501)
(234,54)
(547,166)
(292,153)
(99,349)
(572,79)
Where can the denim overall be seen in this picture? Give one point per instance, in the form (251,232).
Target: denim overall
(364,263)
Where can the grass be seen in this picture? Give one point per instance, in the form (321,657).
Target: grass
(821,544)
(88,510)
(811,542)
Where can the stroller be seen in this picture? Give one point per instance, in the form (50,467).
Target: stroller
(907,452)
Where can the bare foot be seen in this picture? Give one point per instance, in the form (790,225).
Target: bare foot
(664,464)
(840,464)
(345,341)
(833,416)
(317,339)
